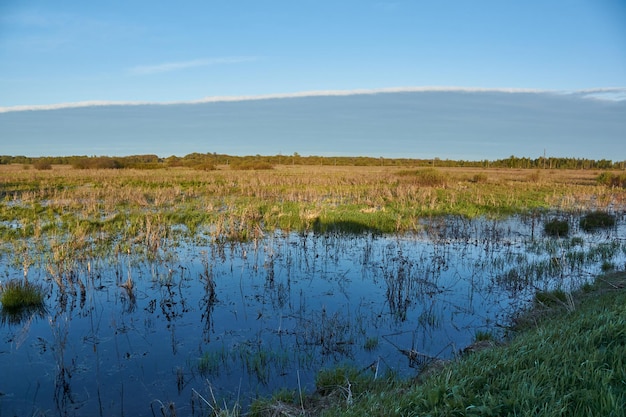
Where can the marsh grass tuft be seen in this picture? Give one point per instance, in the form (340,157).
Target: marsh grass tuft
(211,362)
(17,294)
(480,178)
(482,336)
(371,343)
(556,228)
(428,177)
(20,300)
(348,381)
(597,220)
(551,298)
(282,403)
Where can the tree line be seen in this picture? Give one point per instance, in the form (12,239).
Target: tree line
(208,161)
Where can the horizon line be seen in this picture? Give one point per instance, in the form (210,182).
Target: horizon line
(601,93)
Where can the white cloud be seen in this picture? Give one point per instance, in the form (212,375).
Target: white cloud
(610,93)
(598,93)
(181,65)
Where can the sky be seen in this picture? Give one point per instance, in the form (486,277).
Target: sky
(69,51)
(134,50)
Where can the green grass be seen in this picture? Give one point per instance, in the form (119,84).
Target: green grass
(484,336)
(21,300)
(371,344)
(211,362)
(17,294)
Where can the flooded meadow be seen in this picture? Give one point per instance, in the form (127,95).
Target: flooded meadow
(212,321)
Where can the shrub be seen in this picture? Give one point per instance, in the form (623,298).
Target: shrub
(204,166)
(253,165)
(42,164)
(612,180)
(100,162)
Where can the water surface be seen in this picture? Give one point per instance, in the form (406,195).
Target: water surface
(242,319)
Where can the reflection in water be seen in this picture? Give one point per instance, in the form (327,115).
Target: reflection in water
(237,320)
(63,395)
(22,316)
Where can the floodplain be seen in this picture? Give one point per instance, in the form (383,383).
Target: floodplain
(191,290)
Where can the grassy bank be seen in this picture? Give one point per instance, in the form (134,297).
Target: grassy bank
(567,357)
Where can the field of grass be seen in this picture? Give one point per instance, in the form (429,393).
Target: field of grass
(149,205)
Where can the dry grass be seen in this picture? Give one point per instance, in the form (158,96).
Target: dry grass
(144,204)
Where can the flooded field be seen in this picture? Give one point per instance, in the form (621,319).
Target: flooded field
(234,320)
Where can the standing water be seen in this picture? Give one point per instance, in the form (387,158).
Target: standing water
(235,320)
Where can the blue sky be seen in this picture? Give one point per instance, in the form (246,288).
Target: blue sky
(73,50)
(304,58)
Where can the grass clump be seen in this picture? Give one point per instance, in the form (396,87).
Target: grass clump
(371,344)
(211,361)
(597,220)
(480,177)
(428,177)
(484,336)
(554,298)
(17,294)
(556,228)
(328,380)
(20,300)
(282,403)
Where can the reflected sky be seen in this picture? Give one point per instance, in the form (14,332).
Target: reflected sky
(248,318)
